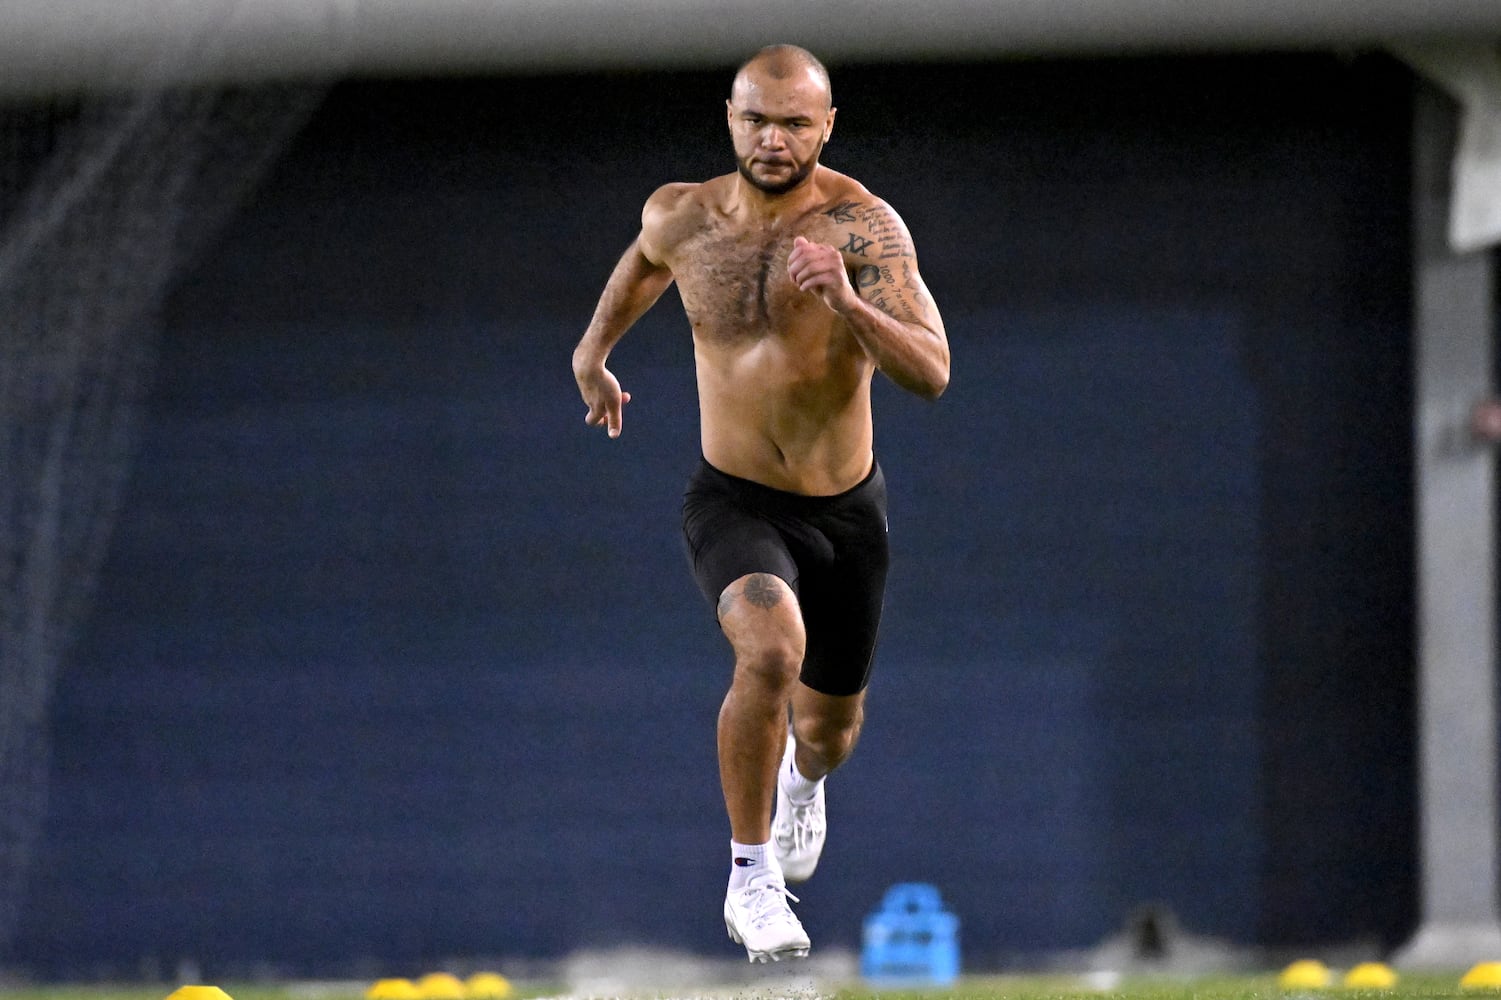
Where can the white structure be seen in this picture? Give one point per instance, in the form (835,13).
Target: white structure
(1456,214)
(50,44)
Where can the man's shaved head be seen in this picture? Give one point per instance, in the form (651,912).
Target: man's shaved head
(783,62)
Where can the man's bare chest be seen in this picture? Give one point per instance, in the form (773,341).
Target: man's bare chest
(736,282)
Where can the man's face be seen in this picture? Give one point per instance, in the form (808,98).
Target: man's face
(779,127)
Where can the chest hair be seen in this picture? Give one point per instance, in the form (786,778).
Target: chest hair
(735,285)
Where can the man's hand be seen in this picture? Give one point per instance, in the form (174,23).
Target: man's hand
(602,394)
(819,268)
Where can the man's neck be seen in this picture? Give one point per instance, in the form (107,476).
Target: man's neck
(766,206)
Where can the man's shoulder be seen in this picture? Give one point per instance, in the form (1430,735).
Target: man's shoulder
(674,196)
(676,210)
(846,199)
(681,197)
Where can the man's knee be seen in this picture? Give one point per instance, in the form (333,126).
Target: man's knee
(831,737)
(761,619)
(774,663)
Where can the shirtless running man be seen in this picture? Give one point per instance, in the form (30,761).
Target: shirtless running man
(799,284)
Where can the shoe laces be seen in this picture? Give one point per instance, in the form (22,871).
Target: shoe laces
(807,825)
(766,902)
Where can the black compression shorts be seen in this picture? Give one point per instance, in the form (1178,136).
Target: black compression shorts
(831,551)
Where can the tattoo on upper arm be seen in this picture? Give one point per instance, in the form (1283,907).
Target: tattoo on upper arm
(857,245)
(895,288)
(886,294)
(892,285)
(897,308)
(911,283)
(889,232)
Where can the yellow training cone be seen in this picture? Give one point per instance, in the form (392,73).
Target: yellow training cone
(441,986)
(1304,974)
(488,986)
(1371,976)
(198,993)
(393,989)
(1485,976)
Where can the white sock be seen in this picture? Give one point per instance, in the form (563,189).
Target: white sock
(747,861)
(794,785)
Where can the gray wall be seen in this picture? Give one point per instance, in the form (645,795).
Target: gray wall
(393,659)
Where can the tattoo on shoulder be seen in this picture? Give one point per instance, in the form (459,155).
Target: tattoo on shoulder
(843,212)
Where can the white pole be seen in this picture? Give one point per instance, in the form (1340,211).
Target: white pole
(1454,319)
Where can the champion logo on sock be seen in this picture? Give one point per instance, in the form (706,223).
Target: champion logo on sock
(744,862)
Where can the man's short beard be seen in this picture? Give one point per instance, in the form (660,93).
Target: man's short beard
(779,187)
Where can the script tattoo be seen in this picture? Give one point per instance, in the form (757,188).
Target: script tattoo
(889,232)
(894,300)
(843,212)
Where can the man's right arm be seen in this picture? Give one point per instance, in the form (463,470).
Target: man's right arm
(635,284)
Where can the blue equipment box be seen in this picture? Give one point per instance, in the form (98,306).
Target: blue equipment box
(911,939)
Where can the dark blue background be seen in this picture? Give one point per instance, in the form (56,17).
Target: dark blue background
(393,659)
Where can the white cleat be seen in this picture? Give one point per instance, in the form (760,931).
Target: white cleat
(798,829)
(759,918)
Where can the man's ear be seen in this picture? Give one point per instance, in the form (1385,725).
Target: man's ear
(828,125)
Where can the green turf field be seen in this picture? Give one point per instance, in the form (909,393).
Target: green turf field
(969,988)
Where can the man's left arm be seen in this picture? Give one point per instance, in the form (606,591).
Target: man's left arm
(872,281)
